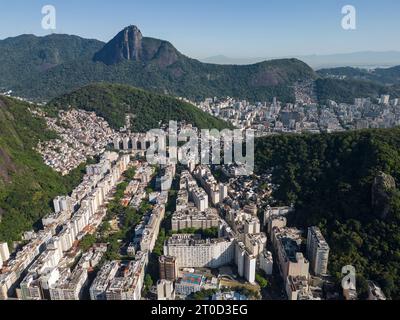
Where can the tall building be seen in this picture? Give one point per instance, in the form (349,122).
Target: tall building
(70,285)
(290,259)
(191,217)
(317,251)
(4,253)
(119,280)
(266,262)
(165,290)
(167,265)
(245,262)
(191,251)
(385,98)
(252,226)
(200,198)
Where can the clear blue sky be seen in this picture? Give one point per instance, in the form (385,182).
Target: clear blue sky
(236,28)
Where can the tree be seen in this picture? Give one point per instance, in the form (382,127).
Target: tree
(148,281)
(87,242)
(130,173)
(261,281)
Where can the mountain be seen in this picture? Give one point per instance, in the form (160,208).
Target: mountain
(364,59)
(27,185)
(388,76)
(28,56)
(42,68)
(346,90)
(113,102)
(129,58)
(129,44)
(348,184)
(221,59)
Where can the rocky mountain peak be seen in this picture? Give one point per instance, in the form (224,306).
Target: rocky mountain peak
(129,44)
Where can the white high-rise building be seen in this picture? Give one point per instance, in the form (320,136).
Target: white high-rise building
(223,191)
(4,253)
(250,262)
(192,251)
(385,98)
(165,290)
(200,198)
(252,226)
(317,251)
(246,262)
(266,262)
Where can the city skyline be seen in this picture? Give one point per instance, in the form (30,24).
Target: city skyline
(233,29)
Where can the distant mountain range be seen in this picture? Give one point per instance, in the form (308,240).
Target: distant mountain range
(388,76)
(42,68)
(365,60)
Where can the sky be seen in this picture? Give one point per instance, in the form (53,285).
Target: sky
(234,28)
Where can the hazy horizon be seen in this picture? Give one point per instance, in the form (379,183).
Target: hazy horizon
(231,28)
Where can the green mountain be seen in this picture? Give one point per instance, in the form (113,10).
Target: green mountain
(27,185)
(28,57)
(151,64)
(346,90)
(113,102)
(389,76)
(348,185)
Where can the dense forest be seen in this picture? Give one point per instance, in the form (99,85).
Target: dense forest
(388,76)
(114,102)
(28,57)
(27,185)
(345,91)
(346,184)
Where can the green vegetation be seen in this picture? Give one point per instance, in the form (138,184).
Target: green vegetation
(204,233)
(43,68)
(382,75)
(87,242)
(330,180)
(347,90)
(148,282)
(203,294)
(130,173)
(261,280)
(159,246)
(128,218)
(113,102)
(28,57)
(27,185)
(250,293)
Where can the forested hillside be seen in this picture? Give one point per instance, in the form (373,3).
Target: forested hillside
(27,185)
(114,102)
(348,185)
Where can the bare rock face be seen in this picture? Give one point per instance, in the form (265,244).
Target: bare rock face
(381,193)
(129,44)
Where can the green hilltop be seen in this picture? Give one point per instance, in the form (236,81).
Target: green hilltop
(113,102)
